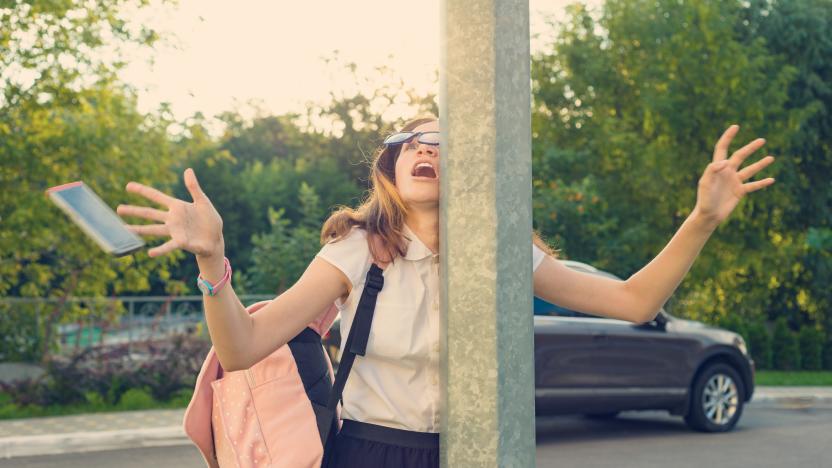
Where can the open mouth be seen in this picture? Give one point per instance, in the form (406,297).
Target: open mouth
(424,170)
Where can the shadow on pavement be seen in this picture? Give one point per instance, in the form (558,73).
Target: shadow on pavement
(554,429)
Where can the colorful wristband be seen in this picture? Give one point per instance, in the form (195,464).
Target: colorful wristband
(209,289)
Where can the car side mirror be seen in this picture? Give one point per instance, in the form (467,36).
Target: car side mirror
(659,322)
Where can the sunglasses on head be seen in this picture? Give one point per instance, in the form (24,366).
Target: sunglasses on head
(427,138)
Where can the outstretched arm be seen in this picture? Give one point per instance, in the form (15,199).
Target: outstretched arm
(240,339)
(639,298)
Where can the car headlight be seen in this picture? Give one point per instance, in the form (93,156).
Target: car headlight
(739,342)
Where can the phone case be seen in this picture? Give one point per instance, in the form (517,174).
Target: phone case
(135,242)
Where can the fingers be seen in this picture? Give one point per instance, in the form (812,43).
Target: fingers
(142,212)
(163,249)
(193,185)
(717,166)
(150,229)
(721,148)
(749,171)
(754,186)
(741,154)
(150,193)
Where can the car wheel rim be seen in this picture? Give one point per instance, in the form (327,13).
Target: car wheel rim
(720,399)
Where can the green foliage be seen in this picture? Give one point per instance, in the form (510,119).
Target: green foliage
(102,376)
(261,165)
(811,348)
(360,118)
(628,103)
(93,404)
(136,398)
(100,139)
(21,336)
(63,117)
(51,49)
(255,173)
(801,31)
(827,355)
(760,345)
(799,378)
(173,366)
(785,346)
(735,324)
(281,255)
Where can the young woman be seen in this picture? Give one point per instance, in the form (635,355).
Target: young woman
(391,400)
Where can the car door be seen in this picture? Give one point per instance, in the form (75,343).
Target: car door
(564,351)
(640,355)
(640,366)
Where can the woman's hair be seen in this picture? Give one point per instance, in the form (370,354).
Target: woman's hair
(383,212)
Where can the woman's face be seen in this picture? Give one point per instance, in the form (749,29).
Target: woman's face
(417,183)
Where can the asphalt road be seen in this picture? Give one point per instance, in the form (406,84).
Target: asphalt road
(767,436)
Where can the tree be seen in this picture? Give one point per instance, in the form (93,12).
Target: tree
(261,164)
(64,117)
(51,50)
(281,255)
(628,103)
(361,114)
(801,31)
(257,166)
(785,346)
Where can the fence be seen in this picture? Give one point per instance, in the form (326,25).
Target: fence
(32,327)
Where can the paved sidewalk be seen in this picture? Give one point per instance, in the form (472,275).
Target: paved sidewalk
(91,432)
(110,431)
(820,395)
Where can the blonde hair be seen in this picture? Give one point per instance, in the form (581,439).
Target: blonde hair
(383,212)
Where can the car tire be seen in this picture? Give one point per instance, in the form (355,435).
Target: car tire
(717,398)
(602,416)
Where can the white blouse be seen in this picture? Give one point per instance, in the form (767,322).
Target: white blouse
(396,384)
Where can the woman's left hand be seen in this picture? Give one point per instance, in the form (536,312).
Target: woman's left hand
(723,185)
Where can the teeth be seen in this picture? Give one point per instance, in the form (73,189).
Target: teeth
(421,165)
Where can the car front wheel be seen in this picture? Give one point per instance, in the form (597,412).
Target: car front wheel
(716,399)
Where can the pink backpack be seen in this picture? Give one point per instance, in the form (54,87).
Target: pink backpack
(282,411)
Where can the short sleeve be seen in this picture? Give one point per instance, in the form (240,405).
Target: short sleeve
(537,256)
(349,254)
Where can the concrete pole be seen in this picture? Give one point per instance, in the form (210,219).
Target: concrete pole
(486,221)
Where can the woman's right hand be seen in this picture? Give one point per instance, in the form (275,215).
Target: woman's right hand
(195,227)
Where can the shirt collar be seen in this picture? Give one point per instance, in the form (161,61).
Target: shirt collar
(416,250)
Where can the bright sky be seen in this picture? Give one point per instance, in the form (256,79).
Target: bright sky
(226,54)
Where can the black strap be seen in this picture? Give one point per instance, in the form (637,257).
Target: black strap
(356,340)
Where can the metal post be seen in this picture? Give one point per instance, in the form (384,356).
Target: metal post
(485,116)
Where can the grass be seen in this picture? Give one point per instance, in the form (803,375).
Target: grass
(134,399)
(797,378)
(137,399)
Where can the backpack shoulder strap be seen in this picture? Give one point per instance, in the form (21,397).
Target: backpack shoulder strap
(356,344)
(359,332)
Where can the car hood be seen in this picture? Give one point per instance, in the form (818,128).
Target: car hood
(691,326)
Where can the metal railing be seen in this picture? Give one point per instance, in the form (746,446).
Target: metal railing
(76,323)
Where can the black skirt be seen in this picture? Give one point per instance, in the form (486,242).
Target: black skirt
(362,445)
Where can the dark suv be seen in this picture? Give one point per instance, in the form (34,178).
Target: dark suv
(600,366)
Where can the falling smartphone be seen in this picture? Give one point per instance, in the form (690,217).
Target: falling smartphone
(95,218)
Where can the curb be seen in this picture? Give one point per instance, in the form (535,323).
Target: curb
(794,402)
(91,441)
(786,399)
